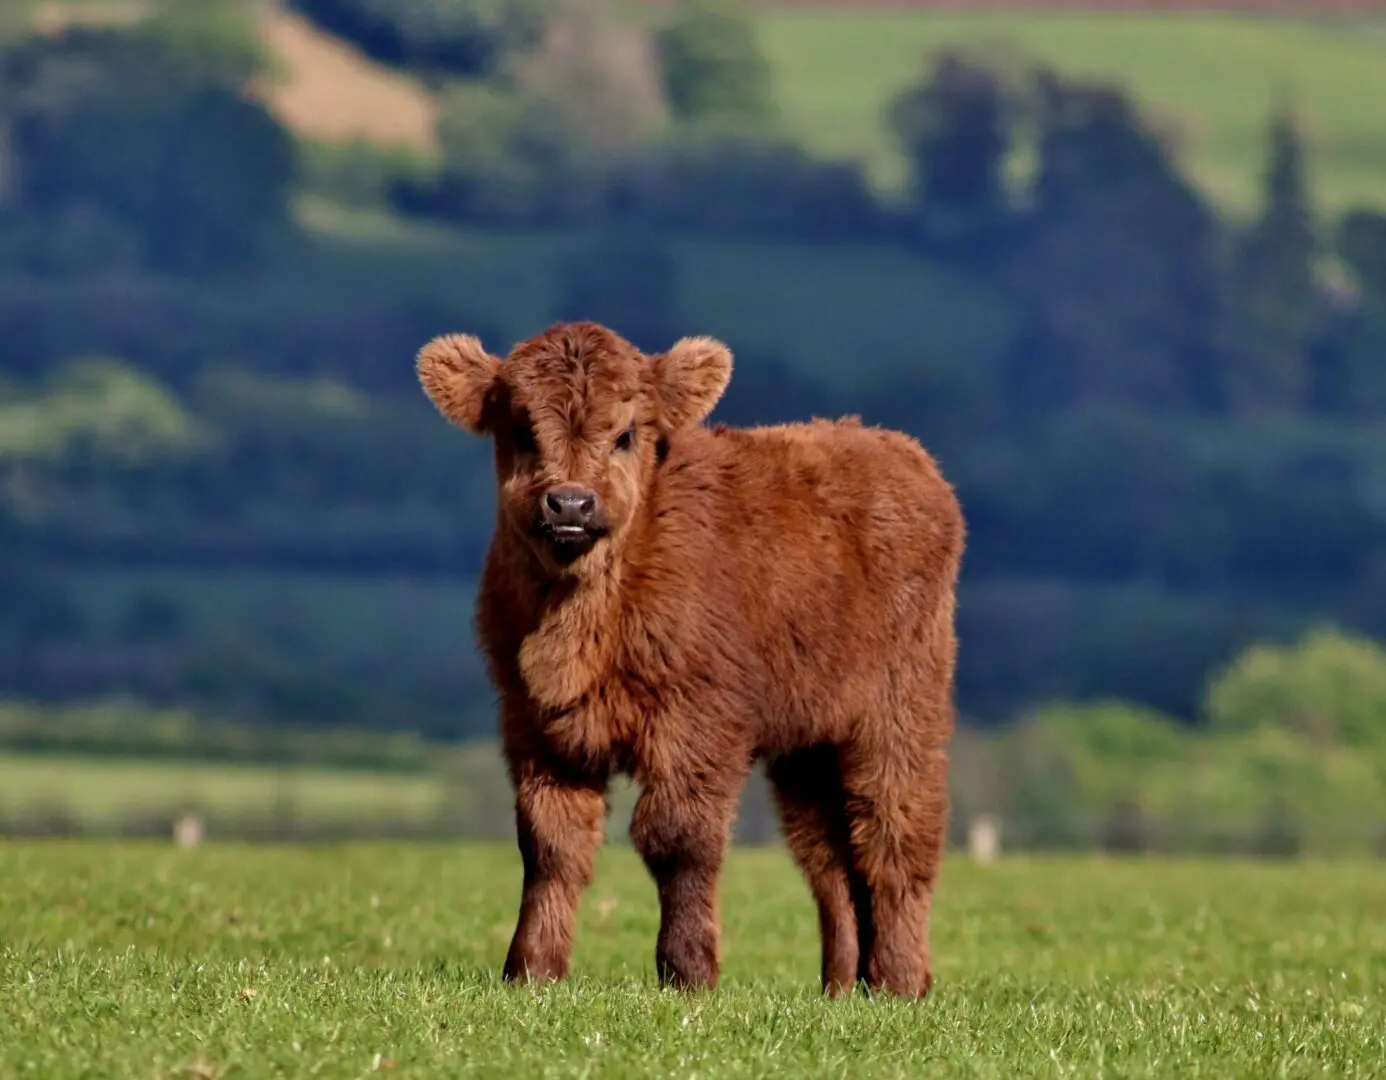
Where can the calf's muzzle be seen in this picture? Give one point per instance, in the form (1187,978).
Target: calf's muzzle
(570,510)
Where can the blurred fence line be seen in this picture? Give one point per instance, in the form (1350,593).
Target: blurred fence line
(1288,758)
(482,811)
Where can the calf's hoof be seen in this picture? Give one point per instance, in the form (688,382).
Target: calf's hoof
(688,973)
(520,970)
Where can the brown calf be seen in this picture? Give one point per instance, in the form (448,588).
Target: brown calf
(675,602)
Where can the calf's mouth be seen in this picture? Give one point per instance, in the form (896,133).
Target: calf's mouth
(567,543)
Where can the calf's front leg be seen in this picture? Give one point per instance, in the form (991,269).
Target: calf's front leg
(560,823)
(682,836)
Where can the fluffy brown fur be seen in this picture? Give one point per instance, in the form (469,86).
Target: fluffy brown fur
(781,593)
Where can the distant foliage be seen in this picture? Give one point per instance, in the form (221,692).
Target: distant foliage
(1361,240)
(1328,687)
(1127,778)
(715,181)
(540,146)
(1278,306)
(96,408)
(442,37)
(140,148)
(1162,423)
(957,130)
(492,169)
(598,123)
(358,173)
(202,42)
(713,65)
(1116,275)
(596,78)
(1350,377)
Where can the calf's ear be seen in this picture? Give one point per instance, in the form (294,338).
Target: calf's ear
(460,378)
(691,378)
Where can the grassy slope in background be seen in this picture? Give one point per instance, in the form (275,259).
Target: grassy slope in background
(813,308)
(1214,77)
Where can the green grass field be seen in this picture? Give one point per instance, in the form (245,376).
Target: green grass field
(1214,77)
(143,961)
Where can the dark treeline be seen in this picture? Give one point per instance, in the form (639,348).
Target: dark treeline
(214,459)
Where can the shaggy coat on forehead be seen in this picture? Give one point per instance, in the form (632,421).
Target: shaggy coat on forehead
(575,372)
(783,594)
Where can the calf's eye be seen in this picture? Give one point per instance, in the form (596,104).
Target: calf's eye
(626,439)
(524,440)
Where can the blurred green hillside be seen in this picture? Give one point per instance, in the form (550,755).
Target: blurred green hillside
(1154,371)
(1209,80)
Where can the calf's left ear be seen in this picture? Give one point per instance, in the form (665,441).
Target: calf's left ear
(460,378)
(692,377)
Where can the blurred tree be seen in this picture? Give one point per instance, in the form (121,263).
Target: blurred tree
(1101,732)
(955,127)
(1350,364)
(1347,365)
(1117,275)
(1328,687)
(712,180)
(713,65)
(541,146)
(438,37)
(483,178)
(97,408)
(143,143)
(1136,779)
(358,173)
(224,194)
(203,42)
(1039,771)
(591,85)
(1361,240)
(1276,304)
(599,76)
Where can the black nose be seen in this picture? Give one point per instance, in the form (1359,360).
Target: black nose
(570,506)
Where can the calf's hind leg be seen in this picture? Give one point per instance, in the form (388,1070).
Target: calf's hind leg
(808,791)
(898,807)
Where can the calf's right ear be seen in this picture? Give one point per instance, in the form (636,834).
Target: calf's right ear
(460,378)
(691,378)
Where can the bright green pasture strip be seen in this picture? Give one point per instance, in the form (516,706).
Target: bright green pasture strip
(139,960)
(1213,77)
(94,789)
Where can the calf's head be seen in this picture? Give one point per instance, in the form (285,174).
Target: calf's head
(578,417)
